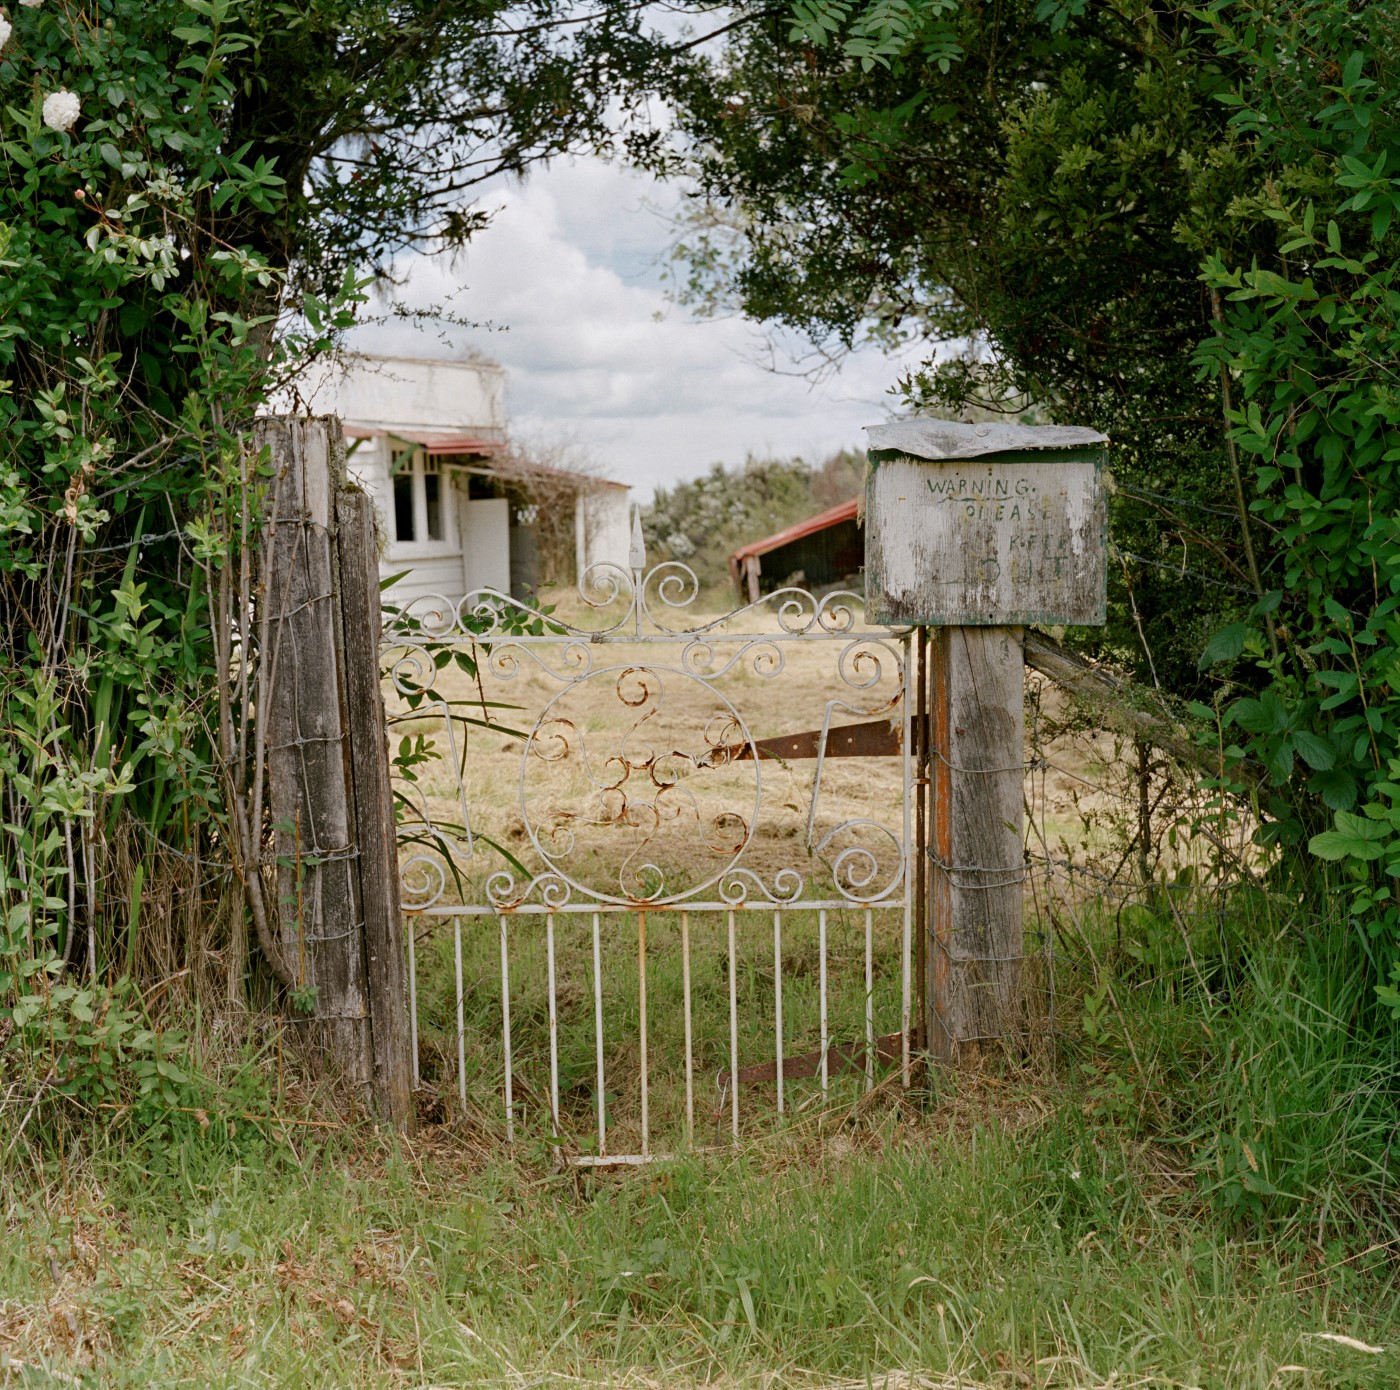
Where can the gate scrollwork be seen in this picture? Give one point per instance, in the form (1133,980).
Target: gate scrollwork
(640,774)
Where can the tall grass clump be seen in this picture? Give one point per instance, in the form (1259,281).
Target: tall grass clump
(1251,1037)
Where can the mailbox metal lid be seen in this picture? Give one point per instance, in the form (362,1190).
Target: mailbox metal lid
(951,439)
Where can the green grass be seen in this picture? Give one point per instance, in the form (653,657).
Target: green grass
(1258,1047)
(1002,1241)
(1092,1224)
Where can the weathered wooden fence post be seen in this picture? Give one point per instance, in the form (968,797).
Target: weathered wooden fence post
(386,967)
(327,762)
(976,531)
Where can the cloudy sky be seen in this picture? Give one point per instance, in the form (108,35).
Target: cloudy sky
(571,276)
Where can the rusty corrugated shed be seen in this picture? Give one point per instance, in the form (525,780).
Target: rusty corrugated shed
(741,561)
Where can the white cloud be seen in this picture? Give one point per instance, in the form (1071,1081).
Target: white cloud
(571,271)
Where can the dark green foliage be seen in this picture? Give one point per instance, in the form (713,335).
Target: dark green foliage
(1176,224)
(1038,181)
(1310,335)
(129,349)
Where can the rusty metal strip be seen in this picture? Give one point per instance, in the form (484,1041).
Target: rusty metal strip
(939,926)
(876,738)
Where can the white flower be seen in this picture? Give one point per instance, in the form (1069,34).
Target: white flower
(5,31)
(61,110)
(31,4)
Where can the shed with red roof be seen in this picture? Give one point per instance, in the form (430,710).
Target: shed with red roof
(823,550)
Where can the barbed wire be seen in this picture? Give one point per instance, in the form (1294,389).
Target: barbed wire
(1133,490)
(1183,572)
(135,543)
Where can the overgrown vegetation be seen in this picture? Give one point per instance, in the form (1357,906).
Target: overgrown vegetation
(132,348)
(190,191)
(1174,223)
(1184,1202)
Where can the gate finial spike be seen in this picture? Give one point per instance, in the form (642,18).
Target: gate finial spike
(637,559)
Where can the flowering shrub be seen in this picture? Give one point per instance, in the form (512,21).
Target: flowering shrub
(182,177)
(61,110)
(128,359)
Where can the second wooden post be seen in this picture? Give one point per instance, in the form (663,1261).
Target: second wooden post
(976,851)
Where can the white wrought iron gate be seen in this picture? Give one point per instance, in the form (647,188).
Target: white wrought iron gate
(658,867)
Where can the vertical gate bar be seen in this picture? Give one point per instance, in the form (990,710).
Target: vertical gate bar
(919,750)
(461,1017)
(505,1033)
(642,1000)
(821,975)
(689,1041)
(906,942)
(733,1032)
(869,999)
(553,1026)
(941,1040)
(598,1037)
(778,997)
(413,999)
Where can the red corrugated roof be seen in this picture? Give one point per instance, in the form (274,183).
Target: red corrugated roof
(833,516)
(451,443)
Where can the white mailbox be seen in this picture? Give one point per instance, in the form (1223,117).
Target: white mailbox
(984,525)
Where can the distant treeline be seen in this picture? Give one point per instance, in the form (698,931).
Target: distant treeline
(702,521)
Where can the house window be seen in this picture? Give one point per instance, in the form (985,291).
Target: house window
(432,498)
(421,499)
(403,505)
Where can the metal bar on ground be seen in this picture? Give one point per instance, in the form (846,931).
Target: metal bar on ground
(642,1002)
(553,1027)
(598,1036)
(689,1040)
(821,976)
(505,1033)
(618,1160)
(778,997)
(461,1016)
(733,1032)
(869,999)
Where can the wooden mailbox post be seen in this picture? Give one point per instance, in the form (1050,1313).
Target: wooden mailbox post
(975,531)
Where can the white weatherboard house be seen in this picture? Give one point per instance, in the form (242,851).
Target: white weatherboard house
(423,436)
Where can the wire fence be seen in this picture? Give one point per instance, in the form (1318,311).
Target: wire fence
(1133,860)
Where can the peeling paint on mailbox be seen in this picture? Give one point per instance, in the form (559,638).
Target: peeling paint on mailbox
(1003,539)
